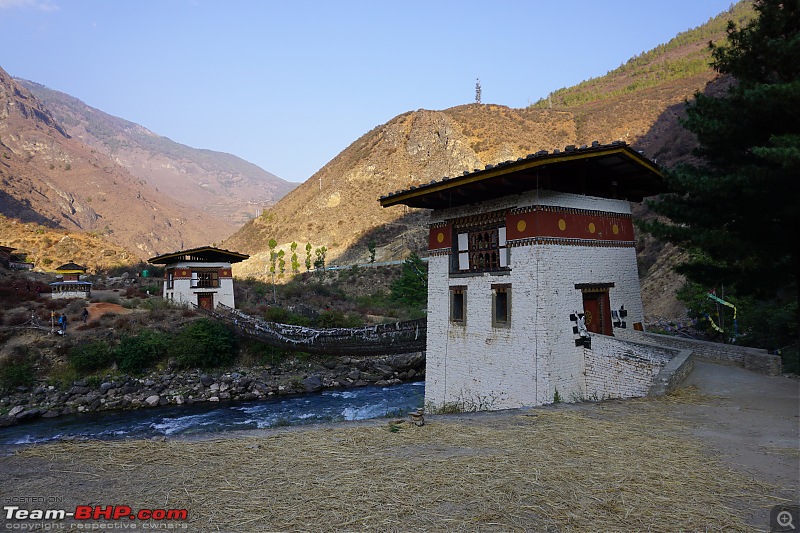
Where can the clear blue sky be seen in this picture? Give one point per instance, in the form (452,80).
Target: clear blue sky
(289,84)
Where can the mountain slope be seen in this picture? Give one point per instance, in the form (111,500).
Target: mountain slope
(639,103)
(338,205)
(220,184)
(57,181)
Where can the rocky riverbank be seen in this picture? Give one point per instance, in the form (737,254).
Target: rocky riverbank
(186,387)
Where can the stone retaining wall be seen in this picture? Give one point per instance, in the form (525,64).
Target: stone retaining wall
(192,386)
(619,368)
(754,359)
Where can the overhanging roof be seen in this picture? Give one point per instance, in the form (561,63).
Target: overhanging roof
(71,268)
(207,254)
(605,170)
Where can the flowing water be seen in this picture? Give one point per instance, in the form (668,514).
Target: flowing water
(207,417)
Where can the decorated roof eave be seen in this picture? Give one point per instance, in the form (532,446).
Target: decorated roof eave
(71,268)
(174,257)
(415,196)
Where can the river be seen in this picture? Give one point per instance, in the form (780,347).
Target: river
(211,417)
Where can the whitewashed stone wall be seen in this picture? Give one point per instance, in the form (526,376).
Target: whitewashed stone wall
(183,293)
(478,366)
(616,368)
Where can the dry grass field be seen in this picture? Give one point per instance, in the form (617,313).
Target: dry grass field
(683,462)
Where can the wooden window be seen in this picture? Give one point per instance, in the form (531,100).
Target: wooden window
(480,250)
(170,279)
(458,304)
(501,305)
(206,278)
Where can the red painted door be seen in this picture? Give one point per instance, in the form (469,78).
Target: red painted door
(591,314)
(597,312)
(205,301)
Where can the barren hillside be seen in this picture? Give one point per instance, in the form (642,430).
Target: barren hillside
(57,181)
(222,185)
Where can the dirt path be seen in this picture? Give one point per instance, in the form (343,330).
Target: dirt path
(98,309)
(752,423)
(716,456)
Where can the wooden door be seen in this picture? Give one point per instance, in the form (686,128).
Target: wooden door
(591,313)
(597,312)
(205,301)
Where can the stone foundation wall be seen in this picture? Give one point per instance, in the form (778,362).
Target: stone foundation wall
(617,368)
(191,386)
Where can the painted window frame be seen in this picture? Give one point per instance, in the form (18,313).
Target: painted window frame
(480,249)
(501,305)
(205,278)
(458,304)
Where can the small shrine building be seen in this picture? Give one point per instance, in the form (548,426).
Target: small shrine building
(200,276)
(68,282)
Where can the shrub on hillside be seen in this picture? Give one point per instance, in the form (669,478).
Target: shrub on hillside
(204,344)
(136,353)
(91,356)
(17,369)
(337,319)
(284,316)
(16,319)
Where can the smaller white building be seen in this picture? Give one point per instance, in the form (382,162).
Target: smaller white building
(200,276)
(69,285)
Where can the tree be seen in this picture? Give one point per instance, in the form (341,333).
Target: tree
(308,256)
(273,257)
(477,90)
(735,213)
(281,262)
(411,288)
(372,247)
(320,253)
(295,261)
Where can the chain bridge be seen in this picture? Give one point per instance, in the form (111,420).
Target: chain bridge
(382,339)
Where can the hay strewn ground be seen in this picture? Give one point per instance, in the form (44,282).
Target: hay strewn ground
(619,466)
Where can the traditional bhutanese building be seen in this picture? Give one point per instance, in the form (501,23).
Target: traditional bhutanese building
(200,276)
(531,268)
(68,283)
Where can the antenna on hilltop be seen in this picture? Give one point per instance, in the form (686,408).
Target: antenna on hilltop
(477,90)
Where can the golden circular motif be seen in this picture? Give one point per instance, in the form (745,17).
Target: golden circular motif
(521,225)
(615,229)
(440,237)
(562,224)
(587,317)
(591,227)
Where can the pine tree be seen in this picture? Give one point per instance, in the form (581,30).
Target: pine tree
(736,212)
(411,288)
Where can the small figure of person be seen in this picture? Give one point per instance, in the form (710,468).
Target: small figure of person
(85,315)
(62,323)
